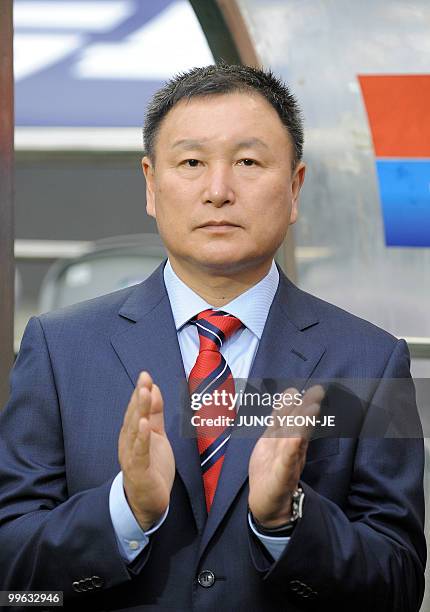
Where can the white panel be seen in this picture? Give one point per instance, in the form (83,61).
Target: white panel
(79,15)
(146,54)
(34,52)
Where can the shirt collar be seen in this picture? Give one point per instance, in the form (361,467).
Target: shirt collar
(251,307)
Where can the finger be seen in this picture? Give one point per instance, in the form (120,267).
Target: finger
(297,418)
(144,379)
(277,430)
(157,400)
(142,410)
(286,401)
(309,404)
(304,421)
(157,410)
(142,443)
(291,398)
(314,395)
(130,408)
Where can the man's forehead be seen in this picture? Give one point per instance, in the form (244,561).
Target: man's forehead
(203,143)
(244,106)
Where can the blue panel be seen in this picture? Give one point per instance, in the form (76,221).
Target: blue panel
(405,196)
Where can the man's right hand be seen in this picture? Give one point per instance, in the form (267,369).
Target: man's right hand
(145,454)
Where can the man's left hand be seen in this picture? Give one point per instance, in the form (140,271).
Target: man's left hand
(278,459)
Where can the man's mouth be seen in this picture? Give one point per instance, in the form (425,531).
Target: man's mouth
(218,224)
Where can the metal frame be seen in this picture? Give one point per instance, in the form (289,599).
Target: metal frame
(7,268)
(226,31)
(229,40)
(419,348)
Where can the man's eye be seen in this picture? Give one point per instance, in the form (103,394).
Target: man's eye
(191,163)
(247,162)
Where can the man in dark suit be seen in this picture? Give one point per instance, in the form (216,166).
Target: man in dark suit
(106,496)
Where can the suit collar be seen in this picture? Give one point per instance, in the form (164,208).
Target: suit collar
(296,305)
(251,307)
(145,297)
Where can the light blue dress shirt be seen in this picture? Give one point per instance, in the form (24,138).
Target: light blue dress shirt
(252,308)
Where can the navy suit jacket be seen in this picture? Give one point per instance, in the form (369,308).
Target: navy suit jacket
(360,543)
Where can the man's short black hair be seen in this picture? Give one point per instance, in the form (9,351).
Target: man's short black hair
(223,79)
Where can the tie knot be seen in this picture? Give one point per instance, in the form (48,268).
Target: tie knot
(215,327)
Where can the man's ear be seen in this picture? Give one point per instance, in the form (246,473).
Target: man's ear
(296,185)
(148,171)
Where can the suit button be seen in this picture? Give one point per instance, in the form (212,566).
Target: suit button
(86,584)
(76,587)
(303,590)
(97,582)
(312,594)
(206,578)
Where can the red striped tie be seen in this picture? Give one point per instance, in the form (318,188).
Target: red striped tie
(211,373)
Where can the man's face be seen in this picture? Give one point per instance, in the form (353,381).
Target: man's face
(222,189)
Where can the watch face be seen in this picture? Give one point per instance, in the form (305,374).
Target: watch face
(297,510)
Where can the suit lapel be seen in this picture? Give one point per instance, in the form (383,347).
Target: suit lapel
(151,344)
(285,357)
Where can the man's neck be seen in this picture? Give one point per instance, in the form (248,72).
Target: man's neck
(218,288)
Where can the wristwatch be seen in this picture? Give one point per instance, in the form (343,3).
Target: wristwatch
(286,529)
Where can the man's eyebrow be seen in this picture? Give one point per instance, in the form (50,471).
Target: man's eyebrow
(189,143)
(251,142)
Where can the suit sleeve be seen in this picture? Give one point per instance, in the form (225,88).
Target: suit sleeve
(371,552)
(48,540)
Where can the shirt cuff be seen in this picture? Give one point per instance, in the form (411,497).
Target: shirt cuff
(130,536)
(275,545)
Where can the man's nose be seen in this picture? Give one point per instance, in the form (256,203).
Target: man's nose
(219,187)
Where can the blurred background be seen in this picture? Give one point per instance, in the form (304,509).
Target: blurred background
(84,72)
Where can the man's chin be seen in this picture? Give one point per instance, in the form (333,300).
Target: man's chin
(227,265)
